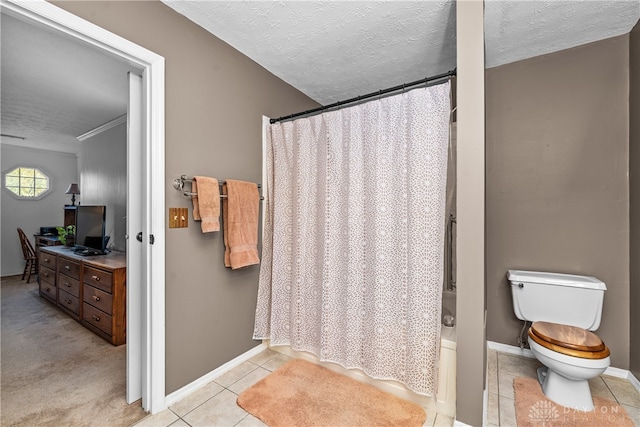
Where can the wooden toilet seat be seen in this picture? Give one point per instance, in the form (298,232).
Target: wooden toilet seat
(568,340)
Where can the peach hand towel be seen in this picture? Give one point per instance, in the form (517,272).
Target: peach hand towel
(240,211)
(206,203)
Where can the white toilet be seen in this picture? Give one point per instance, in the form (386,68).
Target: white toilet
(564,309)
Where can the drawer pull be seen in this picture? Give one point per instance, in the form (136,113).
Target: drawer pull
(48,289)
(96,278)
(45,274)
(96,318)
(66,267)
(95,297)
(46,260)
(67,284)
(69,301)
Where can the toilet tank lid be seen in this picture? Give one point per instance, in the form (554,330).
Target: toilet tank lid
(558,279)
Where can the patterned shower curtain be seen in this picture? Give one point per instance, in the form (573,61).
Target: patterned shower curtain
(352,262)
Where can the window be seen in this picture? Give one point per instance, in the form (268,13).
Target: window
(26,183)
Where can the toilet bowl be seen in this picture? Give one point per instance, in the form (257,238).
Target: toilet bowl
(571,357)
(564,310)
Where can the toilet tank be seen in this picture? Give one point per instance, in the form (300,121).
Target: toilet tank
(567,299)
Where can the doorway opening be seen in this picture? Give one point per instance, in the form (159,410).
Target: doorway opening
(147,252)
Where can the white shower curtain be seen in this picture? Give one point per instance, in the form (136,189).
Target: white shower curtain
(352,263)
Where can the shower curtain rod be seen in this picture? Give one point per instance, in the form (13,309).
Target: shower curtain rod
(367,96)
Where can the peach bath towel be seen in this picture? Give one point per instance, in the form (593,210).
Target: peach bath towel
(206,203)
(240,211)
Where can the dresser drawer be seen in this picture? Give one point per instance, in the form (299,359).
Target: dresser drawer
(49,290)
(98,279)
(97,318)
(47,260)
(48,275)
(69,284)
(68,301)
(98,299)
(69,267)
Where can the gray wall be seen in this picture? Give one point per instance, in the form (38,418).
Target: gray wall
(634,184)
(557,186)
(30,215)
(215,99)
(102,166)
(470,247)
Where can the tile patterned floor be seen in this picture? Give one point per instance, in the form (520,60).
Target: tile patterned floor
(215,404)
(504,367)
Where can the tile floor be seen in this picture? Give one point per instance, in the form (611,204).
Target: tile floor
(215,404)
(504,367)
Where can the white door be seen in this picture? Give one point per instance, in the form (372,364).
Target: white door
(135,279)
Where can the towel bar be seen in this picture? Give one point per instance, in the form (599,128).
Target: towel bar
(178,184)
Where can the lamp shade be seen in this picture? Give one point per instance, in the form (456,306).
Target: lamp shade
(73,189)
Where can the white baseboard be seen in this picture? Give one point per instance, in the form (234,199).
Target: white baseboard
(485,403)
(8,275)
(207,378)
(617,372)
(511,349)
(634,381)
(611,371)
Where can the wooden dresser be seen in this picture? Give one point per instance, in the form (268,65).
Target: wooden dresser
(91,289)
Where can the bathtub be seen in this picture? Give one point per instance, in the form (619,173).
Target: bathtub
(446,395)
(444,402)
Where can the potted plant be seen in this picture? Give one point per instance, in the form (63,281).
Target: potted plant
(67,234)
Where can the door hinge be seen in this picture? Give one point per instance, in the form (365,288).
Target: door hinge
(151,239)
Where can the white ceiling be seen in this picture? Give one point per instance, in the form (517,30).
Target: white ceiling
(334,50)
(516,30)
(54,89)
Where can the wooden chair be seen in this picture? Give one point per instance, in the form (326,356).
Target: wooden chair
(29,255)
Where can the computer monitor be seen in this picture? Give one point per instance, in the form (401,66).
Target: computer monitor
(90,230)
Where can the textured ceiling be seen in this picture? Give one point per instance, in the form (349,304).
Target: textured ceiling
(333,50)
(516,30)
(54,89)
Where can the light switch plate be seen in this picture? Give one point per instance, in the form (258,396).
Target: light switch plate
(178,217)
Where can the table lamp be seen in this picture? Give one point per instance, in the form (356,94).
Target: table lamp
(73,190)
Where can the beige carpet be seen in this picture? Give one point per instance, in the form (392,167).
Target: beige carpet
(534,409)
(301,393)
(54,372)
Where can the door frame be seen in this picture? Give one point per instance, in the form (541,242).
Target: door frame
(41,13)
